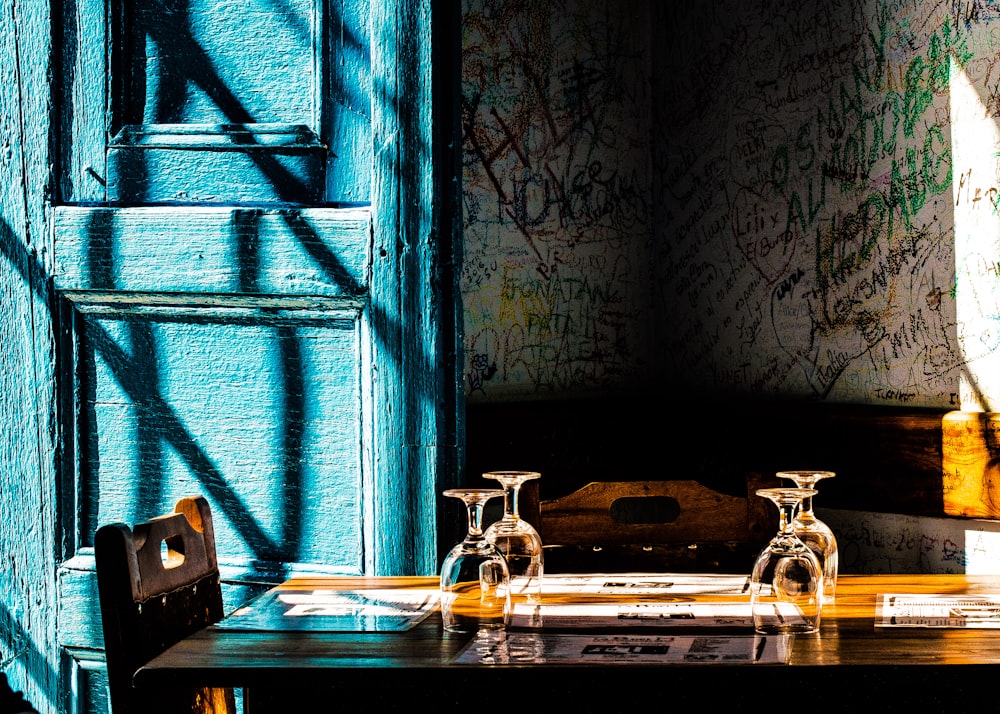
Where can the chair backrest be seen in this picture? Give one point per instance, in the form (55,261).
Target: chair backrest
(158,583)
(677,525)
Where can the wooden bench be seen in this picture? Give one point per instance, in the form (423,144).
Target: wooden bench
(679,525)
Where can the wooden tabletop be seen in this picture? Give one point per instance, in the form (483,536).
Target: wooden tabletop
(893,668)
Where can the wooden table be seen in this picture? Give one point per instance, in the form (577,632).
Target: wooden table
(850,665)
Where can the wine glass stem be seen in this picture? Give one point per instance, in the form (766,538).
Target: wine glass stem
(807,506)
(786,513)
(475,509)
(510,499)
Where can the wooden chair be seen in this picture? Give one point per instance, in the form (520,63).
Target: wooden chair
(674,526)
(158,582)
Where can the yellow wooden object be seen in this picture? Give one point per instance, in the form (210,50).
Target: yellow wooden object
(970,464)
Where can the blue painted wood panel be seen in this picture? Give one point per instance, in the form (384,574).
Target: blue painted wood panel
(318,252)
(209,60)
(258,409)
(228,164)
(28,619)
(148,84)
(217,351)
(222,271)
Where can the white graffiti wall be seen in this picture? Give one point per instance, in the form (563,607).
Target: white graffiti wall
(759,196)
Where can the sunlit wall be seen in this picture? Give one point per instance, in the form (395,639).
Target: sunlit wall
(762,197)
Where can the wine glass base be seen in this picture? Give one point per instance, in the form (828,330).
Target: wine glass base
(792,630)
(473,626)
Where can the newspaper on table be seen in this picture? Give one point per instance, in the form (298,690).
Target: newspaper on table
(498,647)
(647,615)
(647,583)
(663,601)
(923,610)
(334,610)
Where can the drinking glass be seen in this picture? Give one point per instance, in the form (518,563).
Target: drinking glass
(475,581)
(786,584)
(814,532)
(516,538)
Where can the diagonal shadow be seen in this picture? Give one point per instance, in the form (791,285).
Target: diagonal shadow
(172,27)
(155,417)
(24,263)
(170,428)
(18,642)
(327,260)
(247,237)
(169,27)
(150,484)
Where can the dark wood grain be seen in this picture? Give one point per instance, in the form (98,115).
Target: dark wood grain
(887,459)
(849,660)
(159,582)
(694,529)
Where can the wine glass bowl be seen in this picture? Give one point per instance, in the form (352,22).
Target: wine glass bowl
(813,532)
(786,583)
(475,580)
(517,539)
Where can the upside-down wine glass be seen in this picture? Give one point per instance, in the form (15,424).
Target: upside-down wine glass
(786,584)
(516,538)
(814,532)
(475,581)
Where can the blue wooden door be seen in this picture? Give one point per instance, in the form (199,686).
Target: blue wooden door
(247,290)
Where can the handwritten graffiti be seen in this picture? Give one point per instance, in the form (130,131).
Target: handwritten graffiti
(756,198)
(557,195)
(885,543)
